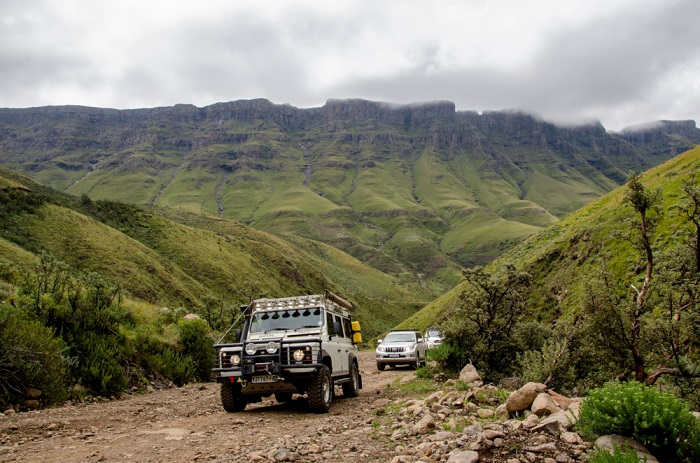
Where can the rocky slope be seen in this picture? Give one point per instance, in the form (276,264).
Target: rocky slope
(418,187)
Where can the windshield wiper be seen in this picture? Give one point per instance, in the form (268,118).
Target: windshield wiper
(305,326)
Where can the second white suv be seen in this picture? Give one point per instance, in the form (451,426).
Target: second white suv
(401,347)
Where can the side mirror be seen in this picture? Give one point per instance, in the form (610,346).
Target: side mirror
(420,340)
(379,341)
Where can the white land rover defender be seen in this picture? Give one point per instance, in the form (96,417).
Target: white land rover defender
(301,344)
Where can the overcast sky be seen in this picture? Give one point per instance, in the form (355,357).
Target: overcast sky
(623,62)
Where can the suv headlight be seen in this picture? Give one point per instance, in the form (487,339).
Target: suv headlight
(251,349)
(235,359)
(271,347)
(380,349)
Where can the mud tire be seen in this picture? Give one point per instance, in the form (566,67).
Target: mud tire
(231,398)
(381,366)
(320,391)
(352,388)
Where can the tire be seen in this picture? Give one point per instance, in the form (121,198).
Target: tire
(231,398)
(352,388)
(320,391)
(380,366)
(417,364)
(283,396)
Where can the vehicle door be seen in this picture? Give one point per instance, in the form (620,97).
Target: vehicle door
(421,347)
(335,345)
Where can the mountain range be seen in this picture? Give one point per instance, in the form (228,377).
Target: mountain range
(415,191)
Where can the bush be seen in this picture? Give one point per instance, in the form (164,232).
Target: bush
(600,455)
(160,360)
(197,345)
(30,356)
(659,421)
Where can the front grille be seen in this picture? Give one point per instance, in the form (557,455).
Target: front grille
(393,349)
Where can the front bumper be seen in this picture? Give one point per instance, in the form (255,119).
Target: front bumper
(396,358)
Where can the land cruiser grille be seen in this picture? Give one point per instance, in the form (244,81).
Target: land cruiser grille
(393,349)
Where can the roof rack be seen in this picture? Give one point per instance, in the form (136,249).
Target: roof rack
(328,300)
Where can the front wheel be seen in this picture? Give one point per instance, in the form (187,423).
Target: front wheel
(320,391)
(352,388)
(231,398)
(380,366)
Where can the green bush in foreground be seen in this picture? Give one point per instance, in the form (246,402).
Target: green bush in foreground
(30,356)
(659,421)
(600,455)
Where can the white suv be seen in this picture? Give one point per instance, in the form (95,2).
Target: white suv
(401,347)
(433,337)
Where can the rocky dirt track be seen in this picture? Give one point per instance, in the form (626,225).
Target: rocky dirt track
(188,424)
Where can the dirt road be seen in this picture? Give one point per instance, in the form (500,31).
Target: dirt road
(188,424)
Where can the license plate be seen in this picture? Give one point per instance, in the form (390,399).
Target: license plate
(264,379)
(394,355)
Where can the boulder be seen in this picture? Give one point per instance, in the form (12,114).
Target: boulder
(470,375)
(32,404)
(561,417)
(465,456)
(424,425)
(608,443)
(33,393)
(522,399)
(560,400)
(544,404)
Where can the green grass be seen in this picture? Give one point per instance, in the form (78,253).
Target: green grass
(565,256)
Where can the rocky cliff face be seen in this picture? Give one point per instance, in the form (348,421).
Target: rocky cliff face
(79,127)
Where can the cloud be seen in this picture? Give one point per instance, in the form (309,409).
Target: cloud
(617,60)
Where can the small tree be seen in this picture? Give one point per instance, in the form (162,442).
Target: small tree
(653,333)
(482,330)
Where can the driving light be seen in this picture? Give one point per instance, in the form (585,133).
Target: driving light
(251,349)
(298,355)
(271,347)
(235,359)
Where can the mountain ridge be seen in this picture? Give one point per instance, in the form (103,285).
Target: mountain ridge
(419,188)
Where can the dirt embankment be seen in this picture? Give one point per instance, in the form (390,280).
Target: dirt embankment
(188,424)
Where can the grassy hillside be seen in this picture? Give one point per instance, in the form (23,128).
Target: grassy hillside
(567,255)
(419,190)
(177,258)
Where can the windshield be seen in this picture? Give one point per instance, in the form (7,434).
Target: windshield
(400,337)
(262,322)
(433,333)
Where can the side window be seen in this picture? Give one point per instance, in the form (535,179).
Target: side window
(418,337)
(337,325)
(348,328)
(329,323)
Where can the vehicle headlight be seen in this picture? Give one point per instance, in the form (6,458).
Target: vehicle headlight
(271,347)
(380,349)
(298,355)
(410,348)
(251,349)
(235,359)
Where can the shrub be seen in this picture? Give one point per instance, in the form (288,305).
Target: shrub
(198,345)
(30,356)
(659,421)
(600,455)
